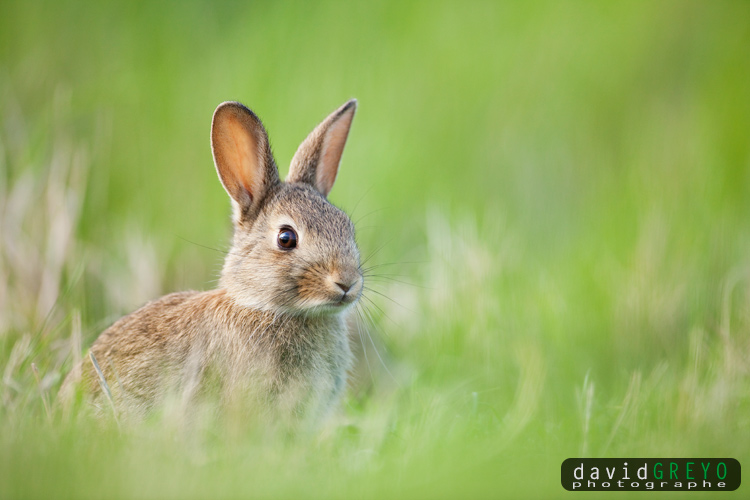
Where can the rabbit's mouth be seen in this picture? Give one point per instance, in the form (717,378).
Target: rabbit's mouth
(342,301)
(328,308)
(346,299)
(337,304)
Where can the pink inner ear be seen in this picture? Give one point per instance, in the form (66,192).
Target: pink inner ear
(245,157)
(333,148)
(239,162)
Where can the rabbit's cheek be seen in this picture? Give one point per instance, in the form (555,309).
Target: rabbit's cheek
(309,288)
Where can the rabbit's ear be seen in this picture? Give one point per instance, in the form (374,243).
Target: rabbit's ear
(242,155)
(316,161)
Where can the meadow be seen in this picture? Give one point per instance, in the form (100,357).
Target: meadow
(556,196)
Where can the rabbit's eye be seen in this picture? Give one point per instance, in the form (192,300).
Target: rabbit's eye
(287,238)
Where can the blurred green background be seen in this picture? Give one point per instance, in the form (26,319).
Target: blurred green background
(558,193)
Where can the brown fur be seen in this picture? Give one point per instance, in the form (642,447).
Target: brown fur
(273,336)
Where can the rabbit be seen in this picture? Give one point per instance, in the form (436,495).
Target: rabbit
(273,335)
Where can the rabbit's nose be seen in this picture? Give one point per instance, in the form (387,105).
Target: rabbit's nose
(346,281)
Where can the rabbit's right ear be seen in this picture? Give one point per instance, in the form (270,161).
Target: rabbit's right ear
(242,155)
(316,161)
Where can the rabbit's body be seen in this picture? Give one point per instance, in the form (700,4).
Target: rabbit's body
(161,351)
(273,336)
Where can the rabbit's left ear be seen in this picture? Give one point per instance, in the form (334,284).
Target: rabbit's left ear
(316,161)
(242,155)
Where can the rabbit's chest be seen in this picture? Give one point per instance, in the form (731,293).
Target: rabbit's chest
(297,365)
(308,383)
(310,360)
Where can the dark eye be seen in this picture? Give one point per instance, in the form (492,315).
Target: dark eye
(287,238)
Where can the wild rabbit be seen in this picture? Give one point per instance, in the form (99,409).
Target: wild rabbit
(273,334)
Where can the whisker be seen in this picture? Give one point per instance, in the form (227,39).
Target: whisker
(372,342)
(225,252)
(387,297)
(359,320)
(384,277)
(368,214)
(378,308)
(360,200)
(375,252)
(375,266)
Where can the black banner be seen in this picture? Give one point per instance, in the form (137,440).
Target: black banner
(650,474)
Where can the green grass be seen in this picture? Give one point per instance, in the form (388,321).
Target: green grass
(561,190)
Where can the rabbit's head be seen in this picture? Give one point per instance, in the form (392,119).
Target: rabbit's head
(293,252)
